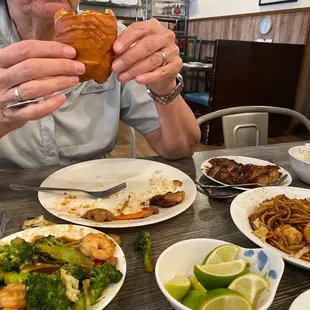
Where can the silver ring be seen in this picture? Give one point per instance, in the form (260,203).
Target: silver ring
(17,95)
(164,56)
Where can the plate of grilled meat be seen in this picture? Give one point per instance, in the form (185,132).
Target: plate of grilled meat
(237,170)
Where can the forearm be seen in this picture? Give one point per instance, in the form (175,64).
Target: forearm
(179,134)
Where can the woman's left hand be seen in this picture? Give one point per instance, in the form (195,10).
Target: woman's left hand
(138,56)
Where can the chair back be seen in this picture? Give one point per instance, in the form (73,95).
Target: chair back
(253,73)
(187,46)
(251,121)
(205,51)
(245,129)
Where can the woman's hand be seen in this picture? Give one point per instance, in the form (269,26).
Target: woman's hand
(138,57)
(38,69)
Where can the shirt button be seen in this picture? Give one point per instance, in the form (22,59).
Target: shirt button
(52,153)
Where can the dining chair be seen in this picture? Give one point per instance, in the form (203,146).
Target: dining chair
(248,125)
(254,74)
(187,46)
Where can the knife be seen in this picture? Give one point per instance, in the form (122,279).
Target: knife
(5,218)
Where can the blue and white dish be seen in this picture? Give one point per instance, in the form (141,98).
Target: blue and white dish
(181,257)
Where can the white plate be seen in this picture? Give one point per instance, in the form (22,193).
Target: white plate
(246,160)
(181,257)
(76,232)
(302,302)
(105,173)
(247,202)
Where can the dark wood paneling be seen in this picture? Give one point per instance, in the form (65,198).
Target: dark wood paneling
(303,94)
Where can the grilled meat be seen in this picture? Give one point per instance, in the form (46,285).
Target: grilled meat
(168,200)
(230,172)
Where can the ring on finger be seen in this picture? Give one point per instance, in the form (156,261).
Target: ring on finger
(164,56)
(17,95)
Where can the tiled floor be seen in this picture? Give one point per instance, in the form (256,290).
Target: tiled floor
(122,148)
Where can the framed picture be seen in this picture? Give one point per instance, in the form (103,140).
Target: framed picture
(267,2)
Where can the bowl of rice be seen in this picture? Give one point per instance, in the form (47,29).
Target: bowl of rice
(300,161)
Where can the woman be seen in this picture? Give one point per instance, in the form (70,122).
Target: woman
(80,121)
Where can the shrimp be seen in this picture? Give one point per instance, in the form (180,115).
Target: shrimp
(307,233)
(13,296)
(97,246)
(291,234)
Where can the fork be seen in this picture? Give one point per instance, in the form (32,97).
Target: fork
(21,104)
(275,183)
(94,194)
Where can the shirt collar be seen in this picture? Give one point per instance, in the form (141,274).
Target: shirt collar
(8,31)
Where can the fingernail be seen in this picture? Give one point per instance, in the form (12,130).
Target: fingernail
(69,51)
(118,47)
(124,77)
(73,80)
(79,67)
(141,79)
(118,65)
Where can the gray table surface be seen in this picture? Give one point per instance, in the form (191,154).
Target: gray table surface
(204,219)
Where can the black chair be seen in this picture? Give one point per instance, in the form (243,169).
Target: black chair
(198,83)
(187,46)
(254,74)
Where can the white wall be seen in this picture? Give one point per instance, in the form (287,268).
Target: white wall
(211,8)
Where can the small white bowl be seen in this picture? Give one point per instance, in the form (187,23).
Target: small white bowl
(181,257)
(300,167)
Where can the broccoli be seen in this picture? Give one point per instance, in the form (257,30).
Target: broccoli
(44,291)
(14,255)
(50,240)
(75,271)
(100,279)
(143,244)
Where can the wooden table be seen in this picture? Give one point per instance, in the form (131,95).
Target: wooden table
(205,219)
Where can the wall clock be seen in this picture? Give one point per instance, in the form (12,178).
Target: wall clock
(265,25)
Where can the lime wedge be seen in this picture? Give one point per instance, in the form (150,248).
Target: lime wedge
(196,286)
(221,254)
(220,275)
(178,286)
(250,286)
(192,299)
(223,299)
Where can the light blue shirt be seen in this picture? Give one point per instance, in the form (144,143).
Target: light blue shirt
(84,128)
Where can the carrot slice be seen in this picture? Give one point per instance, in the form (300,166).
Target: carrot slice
(134,216)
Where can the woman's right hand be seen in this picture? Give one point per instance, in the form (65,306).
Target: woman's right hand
(38,69)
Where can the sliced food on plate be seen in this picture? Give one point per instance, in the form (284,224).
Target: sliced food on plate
(60,267)
(230,172)
(237,170)
(162,192)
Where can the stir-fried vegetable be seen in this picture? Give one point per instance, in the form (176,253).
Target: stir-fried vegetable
(100,279)
(75,270)
(143,244)
(12,256)
(59,251)
(55,275)
(44,291)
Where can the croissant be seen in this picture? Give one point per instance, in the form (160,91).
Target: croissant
(92,34)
